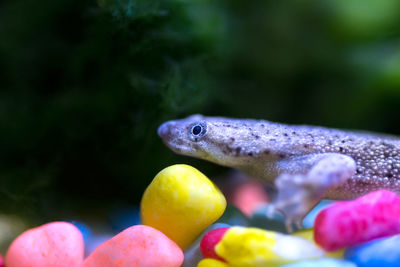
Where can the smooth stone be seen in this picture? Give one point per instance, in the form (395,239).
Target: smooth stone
(212,263)
(308,234)
(382,252)
(54,244)
(209,241)
(193,254)
(181,202)
(349,223)
(242,246)
(140,246)
(322,263)
(309,220)
(124,217)
(86,234)
(248,196)
(96,240)
(83,228)
(233,216)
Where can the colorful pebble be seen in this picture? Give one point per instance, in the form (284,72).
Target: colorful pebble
(140,246)
(249,247)
(94,241)
(209,241)
(308,234)
(322,263)
(54,244)
(212,263)
(383,252)
(348,223)
(249,196)
(124,217)
(309,220)
(83,228)
(181,202)
(193,254)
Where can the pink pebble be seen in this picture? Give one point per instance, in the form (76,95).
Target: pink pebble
(249,196)
(139,246)
(349,223)
(54,244)
(210,240)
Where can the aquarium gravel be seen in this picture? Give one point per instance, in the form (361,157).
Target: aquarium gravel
(178,214)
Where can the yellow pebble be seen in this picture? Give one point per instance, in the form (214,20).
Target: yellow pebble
(253,247)
(181,202)
(308,234)
(212,263)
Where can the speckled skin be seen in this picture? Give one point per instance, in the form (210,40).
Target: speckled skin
(307,163)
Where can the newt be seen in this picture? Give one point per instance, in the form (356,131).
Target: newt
(306,163)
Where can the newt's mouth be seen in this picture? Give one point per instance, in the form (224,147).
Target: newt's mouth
(172,135)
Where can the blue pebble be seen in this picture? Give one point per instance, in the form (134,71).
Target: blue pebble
(125,217)
(193,254)
(308,221)
(83,228)
(382,252)
(327,262)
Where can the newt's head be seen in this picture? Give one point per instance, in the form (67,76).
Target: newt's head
(185,136)
(224,141)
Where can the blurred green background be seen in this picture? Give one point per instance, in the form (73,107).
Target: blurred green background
(85,84)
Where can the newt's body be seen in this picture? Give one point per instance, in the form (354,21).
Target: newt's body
(306,163)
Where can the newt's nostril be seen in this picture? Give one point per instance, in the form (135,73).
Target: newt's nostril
(164,129)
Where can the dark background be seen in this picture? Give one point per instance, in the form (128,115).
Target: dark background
(85,84)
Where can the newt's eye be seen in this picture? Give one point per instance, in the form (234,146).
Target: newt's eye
(197,130)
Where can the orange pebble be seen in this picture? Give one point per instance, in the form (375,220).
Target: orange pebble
(54,244)
(139,246)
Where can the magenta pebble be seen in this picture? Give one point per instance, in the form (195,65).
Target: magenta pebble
(348,223)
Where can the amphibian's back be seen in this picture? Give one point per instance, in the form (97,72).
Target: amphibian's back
(377,156)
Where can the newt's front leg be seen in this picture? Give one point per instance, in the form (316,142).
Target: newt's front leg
(304,181)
